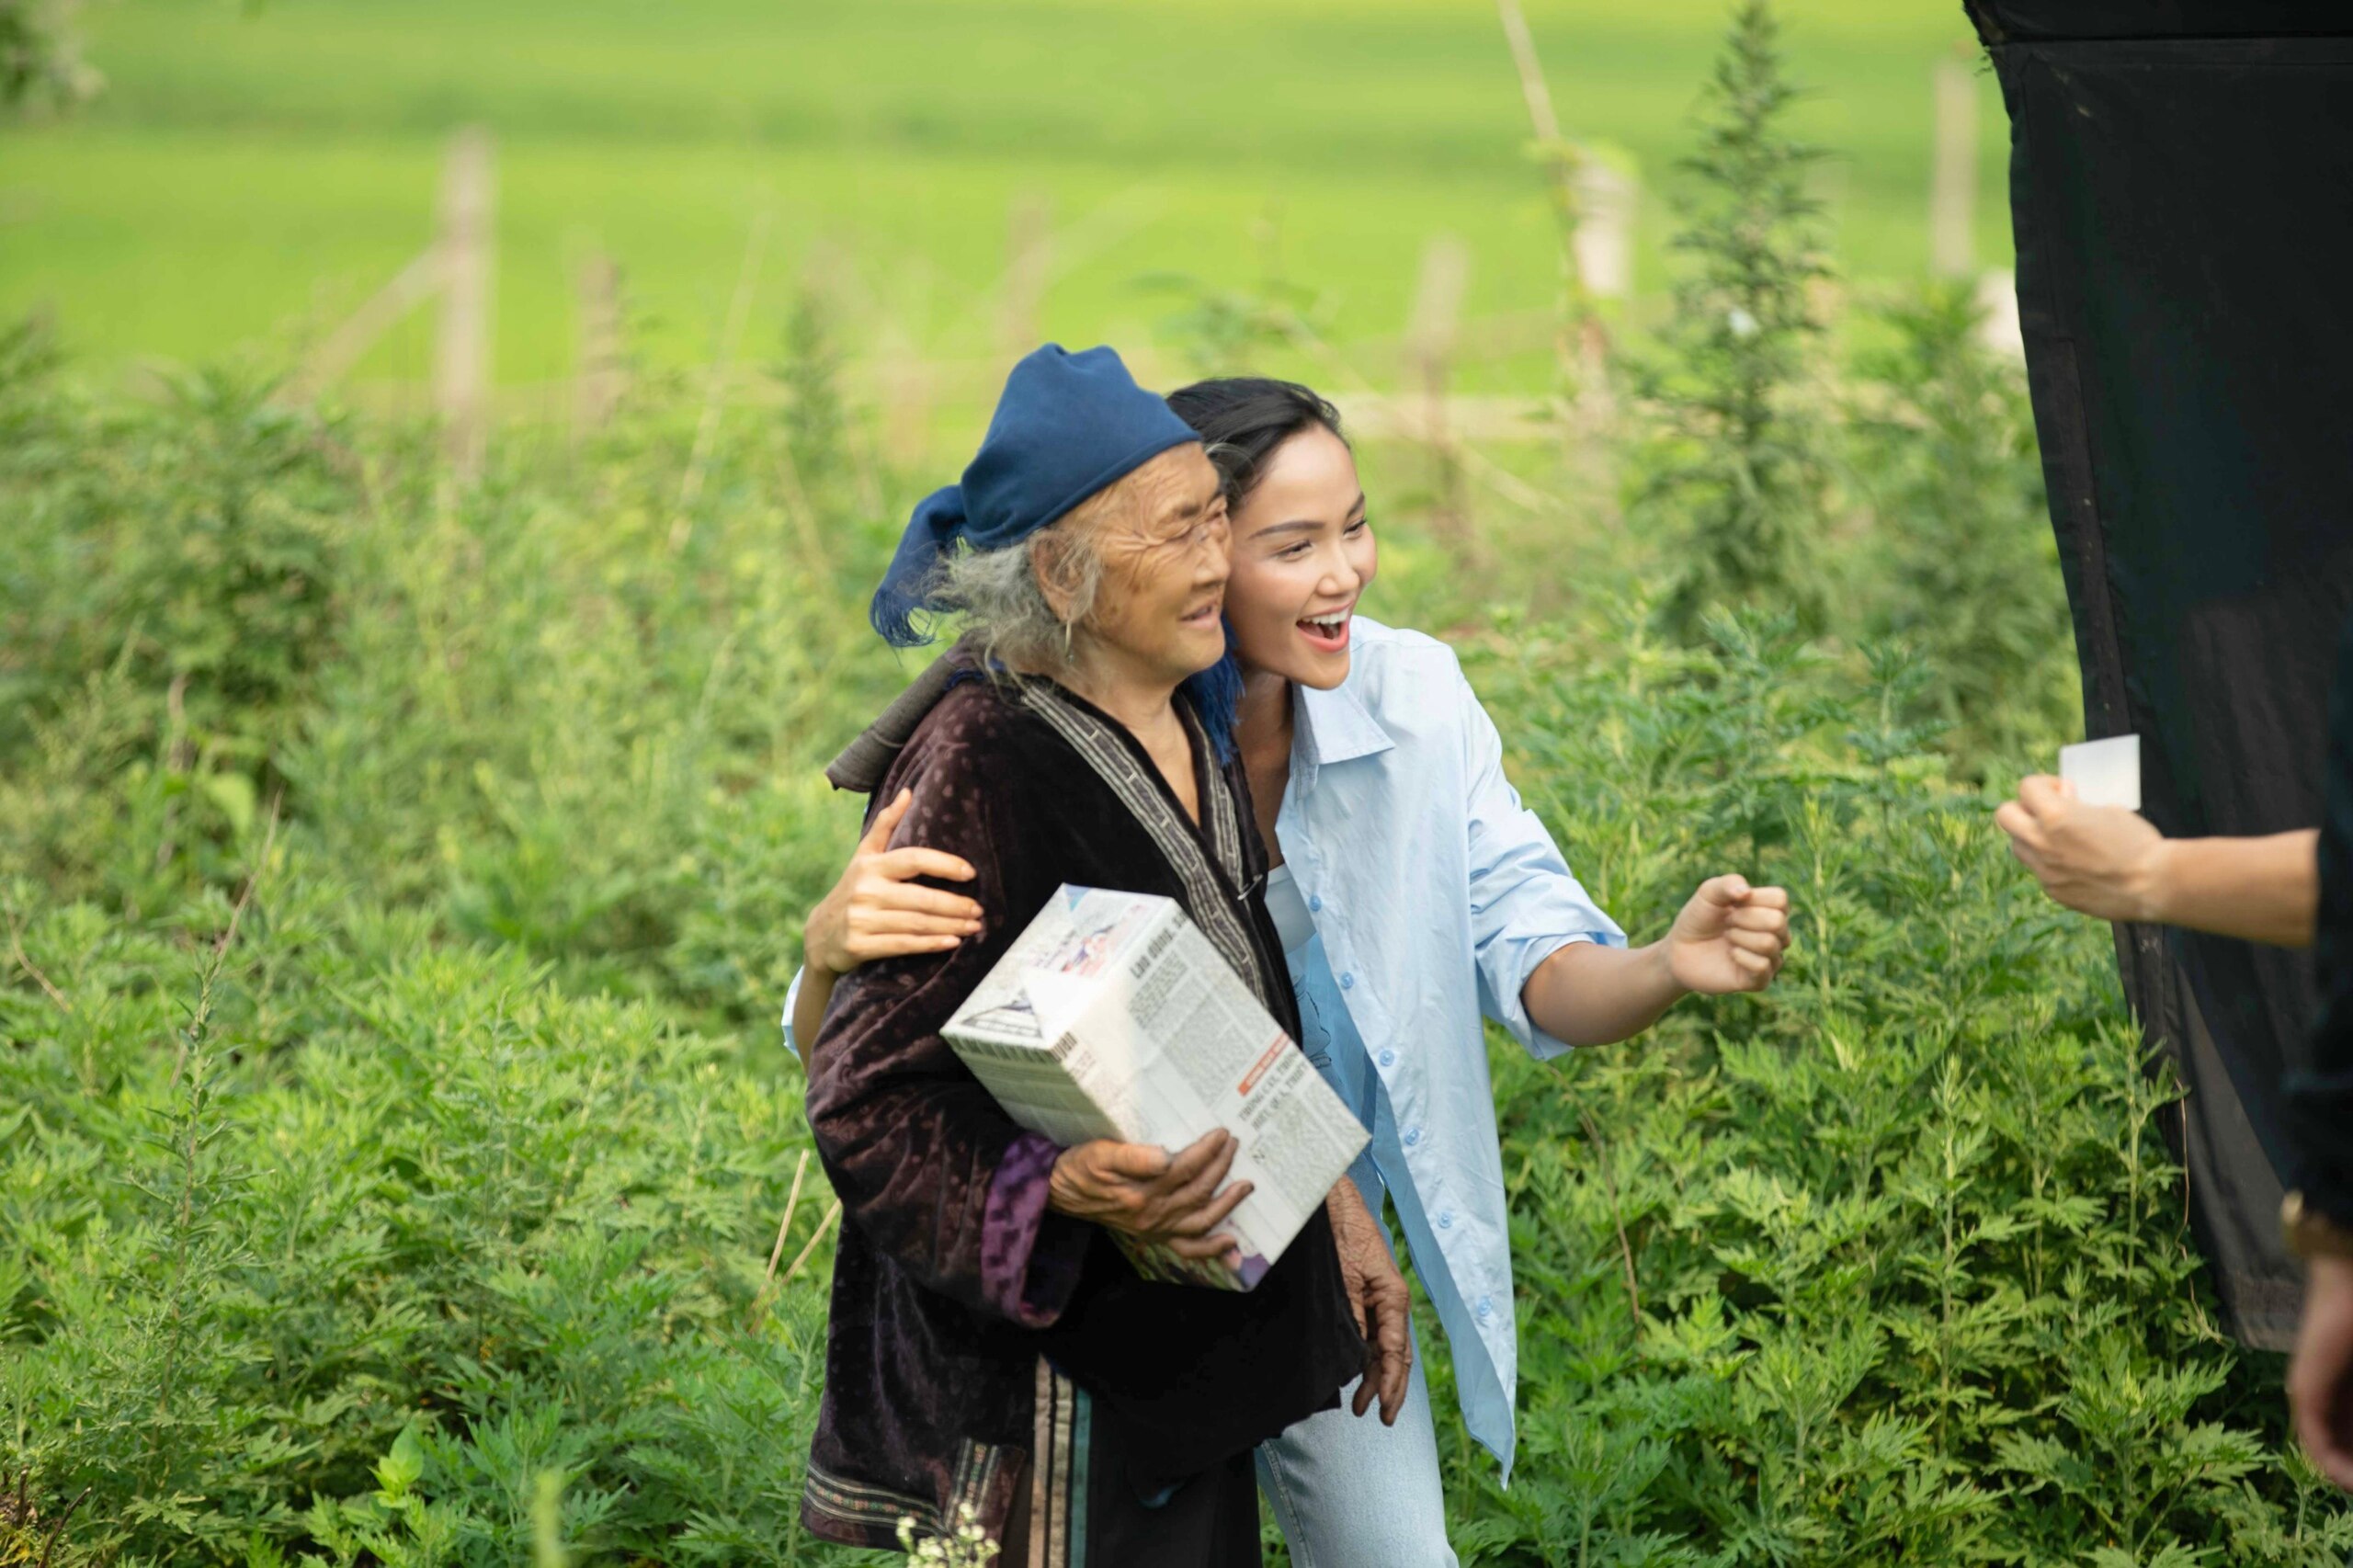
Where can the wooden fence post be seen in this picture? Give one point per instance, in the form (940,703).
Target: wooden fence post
(1607,200)
(1998,303)
(1571,343)
(906,384)
(1028,263)
(1430,336)
(461,355)
(1953,181)
(343,348)
(598,377)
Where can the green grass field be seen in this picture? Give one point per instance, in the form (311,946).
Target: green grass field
(250,173)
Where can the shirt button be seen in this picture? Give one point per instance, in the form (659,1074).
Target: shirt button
(1389,1059)
(1486,1309)
(1412,1136)
(1349,981)
(1446,1220)
(1316,904)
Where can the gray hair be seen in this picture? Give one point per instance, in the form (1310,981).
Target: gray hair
(1001,593)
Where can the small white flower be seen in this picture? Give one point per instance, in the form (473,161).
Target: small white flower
(1743,324)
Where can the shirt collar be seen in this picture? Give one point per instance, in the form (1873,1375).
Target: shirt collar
(1334,726)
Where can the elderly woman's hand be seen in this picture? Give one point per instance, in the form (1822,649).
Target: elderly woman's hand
(1153,1195)
(1379,1298)
(876,910)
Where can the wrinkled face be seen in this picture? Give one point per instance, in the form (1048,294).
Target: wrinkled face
(1303,555)
(1163,544)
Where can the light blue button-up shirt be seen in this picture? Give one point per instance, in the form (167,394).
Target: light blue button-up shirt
(1433,893)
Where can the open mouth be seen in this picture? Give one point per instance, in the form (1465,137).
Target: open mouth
(1328,633)
(1205,616)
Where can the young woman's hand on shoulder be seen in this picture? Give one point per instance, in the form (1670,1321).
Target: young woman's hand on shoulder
(879,911)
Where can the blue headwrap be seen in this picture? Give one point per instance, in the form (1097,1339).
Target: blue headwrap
(1067,426)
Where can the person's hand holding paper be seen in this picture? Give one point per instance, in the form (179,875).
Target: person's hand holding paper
(2100,860)
(2082,836)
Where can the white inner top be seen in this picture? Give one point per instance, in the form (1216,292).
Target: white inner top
(1290,910)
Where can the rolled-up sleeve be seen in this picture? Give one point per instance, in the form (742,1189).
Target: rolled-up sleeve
(926,1163)
(1526,905)
(1030,1258)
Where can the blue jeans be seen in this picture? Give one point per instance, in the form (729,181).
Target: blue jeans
(1350,1492)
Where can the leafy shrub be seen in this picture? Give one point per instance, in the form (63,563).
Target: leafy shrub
(1945,447)
(171,598)
(41,57)
(195,543)
(426,1213)
(388,1232)
(1735,471)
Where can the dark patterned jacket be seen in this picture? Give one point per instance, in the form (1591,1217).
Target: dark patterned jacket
(952,1283)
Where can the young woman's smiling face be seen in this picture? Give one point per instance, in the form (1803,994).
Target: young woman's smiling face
(1302,556)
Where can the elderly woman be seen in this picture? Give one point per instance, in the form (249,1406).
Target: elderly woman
(989,1351)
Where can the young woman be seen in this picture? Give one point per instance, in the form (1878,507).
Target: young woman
(1413,893)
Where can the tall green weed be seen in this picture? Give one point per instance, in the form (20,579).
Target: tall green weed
(1966,569)
(1737,469)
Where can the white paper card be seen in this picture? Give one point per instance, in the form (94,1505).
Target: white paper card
(1113,1016)
(2104,773)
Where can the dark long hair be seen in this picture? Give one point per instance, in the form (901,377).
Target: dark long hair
(1242,420)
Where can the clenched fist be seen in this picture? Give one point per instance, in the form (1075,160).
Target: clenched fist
(1730,936)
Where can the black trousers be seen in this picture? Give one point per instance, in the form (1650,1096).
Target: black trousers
(1080,1509)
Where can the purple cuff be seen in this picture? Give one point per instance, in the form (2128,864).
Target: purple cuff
(1030,1258)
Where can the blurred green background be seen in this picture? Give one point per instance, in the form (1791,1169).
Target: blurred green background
(249,175)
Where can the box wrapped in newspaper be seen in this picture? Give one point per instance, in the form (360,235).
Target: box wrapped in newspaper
(1113,1016)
